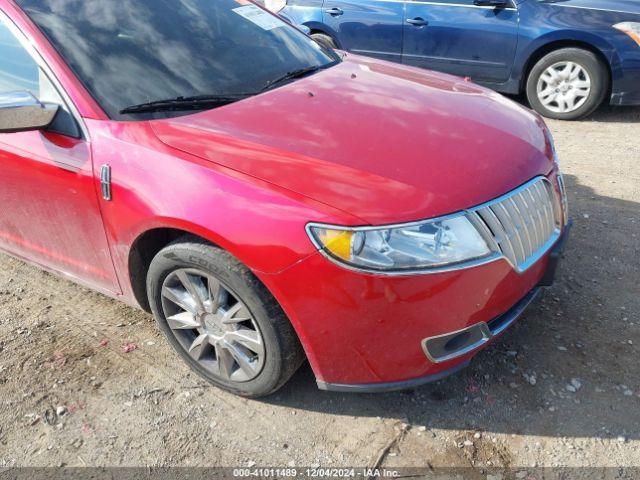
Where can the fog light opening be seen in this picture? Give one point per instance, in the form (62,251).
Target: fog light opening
(447,347)
(458,342)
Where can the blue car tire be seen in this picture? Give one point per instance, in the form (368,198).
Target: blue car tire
(568,84)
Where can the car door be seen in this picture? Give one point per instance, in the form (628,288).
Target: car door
(49,210)
(367,27)
(459,37)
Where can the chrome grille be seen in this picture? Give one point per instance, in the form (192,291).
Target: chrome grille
(523,224)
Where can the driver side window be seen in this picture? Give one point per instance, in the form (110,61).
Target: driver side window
(19,72)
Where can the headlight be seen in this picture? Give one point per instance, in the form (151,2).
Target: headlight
(630,28)
(430,245)
(275,5)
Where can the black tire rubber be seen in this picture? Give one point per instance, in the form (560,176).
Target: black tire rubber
(324,40)
(590,62)
(284,354)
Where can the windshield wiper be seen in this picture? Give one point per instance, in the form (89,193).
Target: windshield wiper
(203,101)
(198,102)
(301,72)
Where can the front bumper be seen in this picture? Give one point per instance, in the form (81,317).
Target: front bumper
(626,99)
(491,330)
(363,332)
(625,88)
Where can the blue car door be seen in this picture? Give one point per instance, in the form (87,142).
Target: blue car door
(367,27)
(462,38)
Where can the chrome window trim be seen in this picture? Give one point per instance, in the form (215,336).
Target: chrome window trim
(29,46)
(470,214)
(511,8)
(582,7)
(445,4)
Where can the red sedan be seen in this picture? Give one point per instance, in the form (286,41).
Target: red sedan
(268,199)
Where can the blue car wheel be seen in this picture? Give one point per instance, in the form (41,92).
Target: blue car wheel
(568,84)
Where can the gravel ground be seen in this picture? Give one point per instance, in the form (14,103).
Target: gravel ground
(561,389)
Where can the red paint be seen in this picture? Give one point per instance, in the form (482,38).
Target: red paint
(50,211)
(365,328)
(129,347)
(396,144)
(376,143)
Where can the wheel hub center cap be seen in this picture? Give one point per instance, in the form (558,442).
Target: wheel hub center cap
(213,325)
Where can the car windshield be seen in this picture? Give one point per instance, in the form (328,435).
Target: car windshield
(134,52)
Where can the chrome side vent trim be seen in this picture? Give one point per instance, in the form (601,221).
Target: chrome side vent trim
(105,182)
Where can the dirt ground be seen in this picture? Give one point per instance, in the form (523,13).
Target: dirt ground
(561,389)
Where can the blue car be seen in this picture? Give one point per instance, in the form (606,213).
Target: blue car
(568,56)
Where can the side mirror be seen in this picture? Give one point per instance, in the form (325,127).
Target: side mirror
(491,3)
(22,112)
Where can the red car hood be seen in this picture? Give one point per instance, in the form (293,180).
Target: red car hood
(383,142)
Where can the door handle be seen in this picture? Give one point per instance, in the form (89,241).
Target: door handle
(334,11)
(418,22)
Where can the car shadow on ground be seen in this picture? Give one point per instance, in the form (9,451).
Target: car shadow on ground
(568,368)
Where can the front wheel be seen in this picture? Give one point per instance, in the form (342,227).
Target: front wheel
(567,84)
(221,320)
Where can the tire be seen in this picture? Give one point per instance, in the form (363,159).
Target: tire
(587,69)
(324,40)
(257,319)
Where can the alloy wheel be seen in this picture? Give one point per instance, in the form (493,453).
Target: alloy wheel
(213,325)
(564,87)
